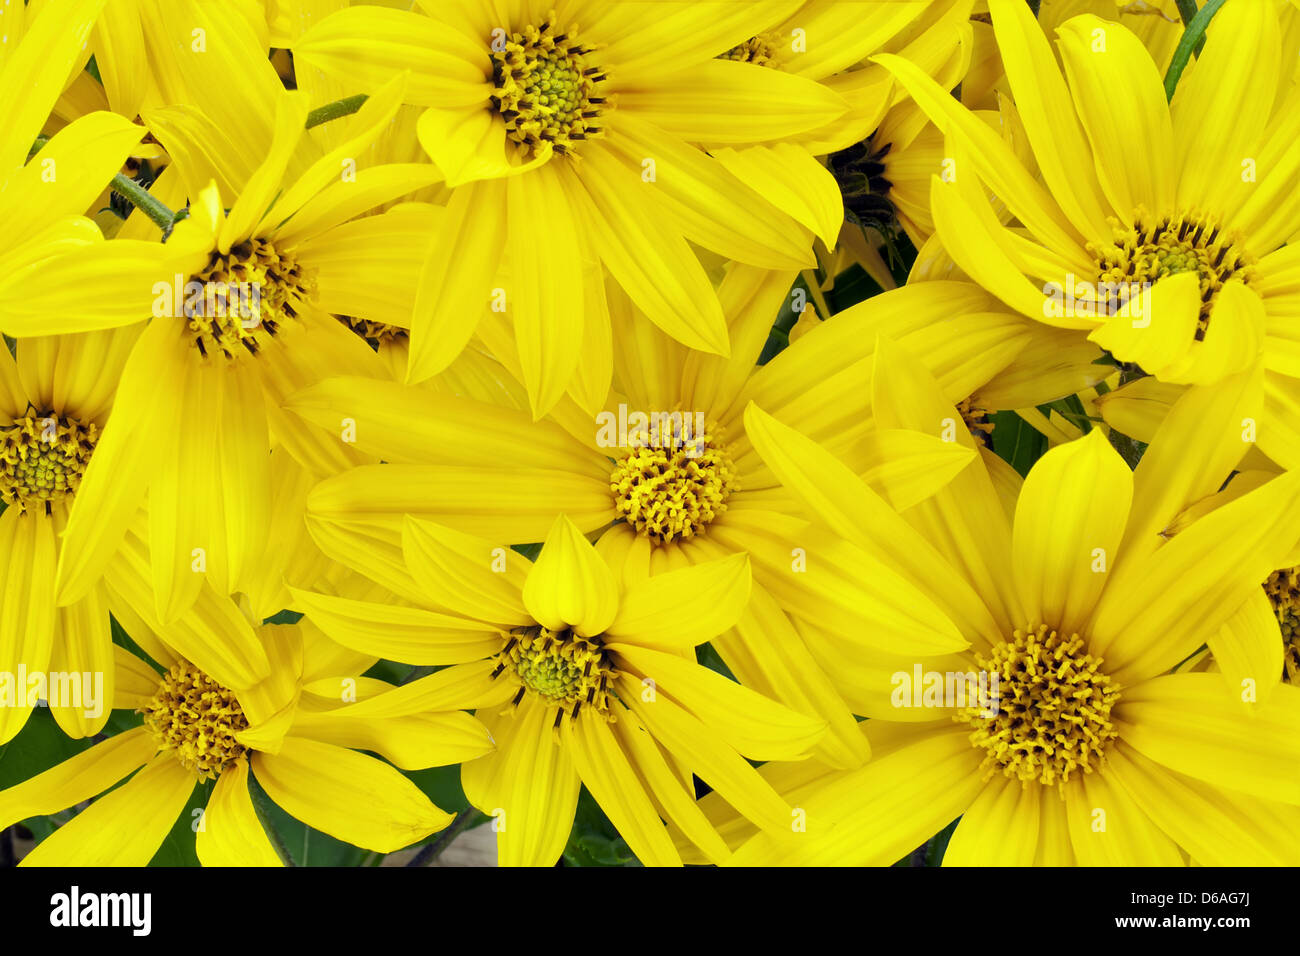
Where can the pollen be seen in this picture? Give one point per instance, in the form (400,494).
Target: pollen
(246,296)
(546,90)
(196,719)
(674,479)
(1053,708)
(375,333)
(562,668)
(1283,590)
(43,458)
(1155,248)
(760,50)
(976,420)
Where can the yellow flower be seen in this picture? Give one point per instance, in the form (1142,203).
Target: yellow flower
(1089,750)
(1159,230)
(599,671)
(54,400)
(244,320)
(670,498)
(572,138)
(294,743)
(53,260)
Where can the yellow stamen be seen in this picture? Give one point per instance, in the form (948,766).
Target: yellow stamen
(1283,590)
(1154,248)
(196,719)
(247,295)
(672,483)
(976,419)
(760,50)
(375,333)
(1053,709)
(43,457)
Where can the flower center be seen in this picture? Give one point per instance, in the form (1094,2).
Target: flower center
(976,420)
(675,477)
(42,457)
(545,89)
(1053,709)
(197,719)
(246,296)
(1154,248)
(760,50)
(559,666)
(375,333)
(860,171)
(1283,590)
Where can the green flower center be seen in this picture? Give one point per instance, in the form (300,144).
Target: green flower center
(561,667)
(43,457)
(1152,249)
(545,88)
(1053,709)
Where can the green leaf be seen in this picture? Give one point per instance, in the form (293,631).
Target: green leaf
(39,746)
(179,846)
(593,841)
(1016,442)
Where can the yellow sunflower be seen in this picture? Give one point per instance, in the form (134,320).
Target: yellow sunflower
(1091,748)
(693,489)
(598,671)
(571,132)
(1158,229)
(298,746)
(244,320)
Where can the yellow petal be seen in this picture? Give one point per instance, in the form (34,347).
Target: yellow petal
(352,797)
(747,721)
(231,833)
(124,827)
(606,772)
(1118,93)
(78,778)
(456,282)
(1069,522)
(647,256)
(680,609)
(1191,724)
(408,634)
(529,786)
(571,585)
(546,286)
(1155,612)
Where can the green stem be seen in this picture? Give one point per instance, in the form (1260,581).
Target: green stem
(1187,10)
(332,111)
(1193,39)
(139,197)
